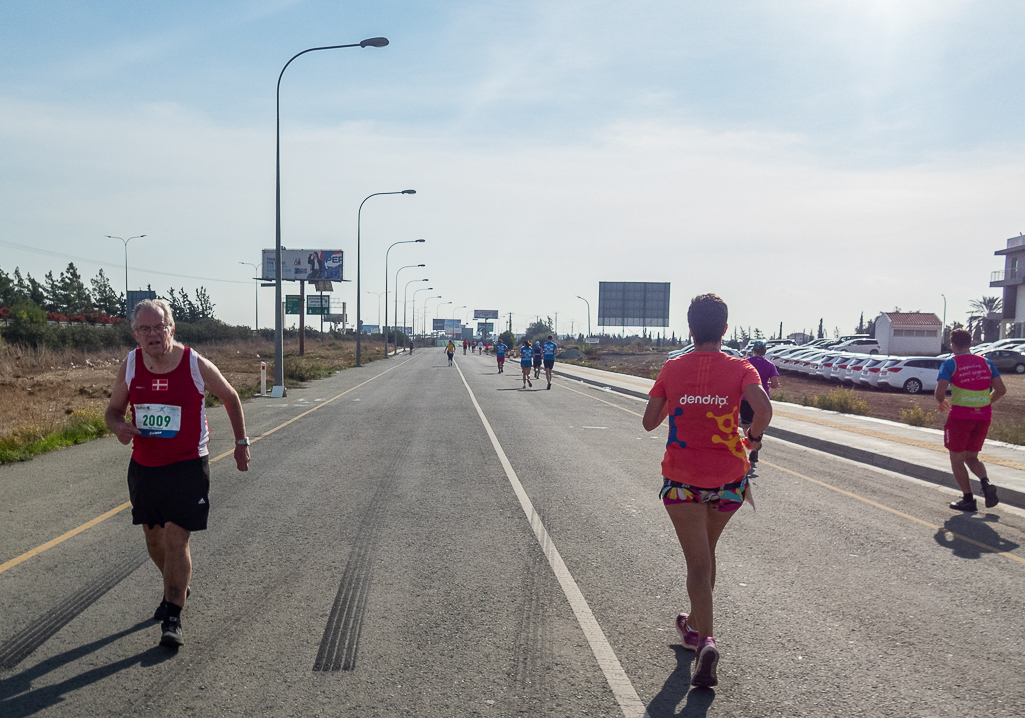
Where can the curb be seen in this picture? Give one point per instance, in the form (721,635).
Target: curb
(925,473)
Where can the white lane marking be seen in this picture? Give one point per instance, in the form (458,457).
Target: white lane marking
(594,427)
(618,681)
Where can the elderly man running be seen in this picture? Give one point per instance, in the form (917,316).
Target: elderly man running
(165,383)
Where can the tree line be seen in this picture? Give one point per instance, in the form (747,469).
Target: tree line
(67,298)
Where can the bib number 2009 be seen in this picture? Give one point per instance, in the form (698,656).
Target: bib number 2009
(158,420)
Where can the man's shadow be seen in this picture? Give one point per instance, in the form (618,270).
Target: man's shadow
(18,699)
(973,527)
(676,687)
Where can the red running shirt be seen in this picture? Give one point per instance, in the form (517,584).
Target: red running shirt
(170,410)
(703,392)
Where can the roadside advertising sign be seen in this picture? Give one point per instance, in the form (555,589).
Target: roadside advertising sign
(305,264)
(633,304)
(438,325)
(488,327)
(292,303)
(485,314)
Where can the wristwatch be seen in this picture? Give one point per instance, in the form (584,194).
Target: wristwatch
(243,442)
(752,437)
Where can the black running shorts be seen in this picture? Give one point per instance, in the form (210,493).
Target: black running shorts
(177,492)
(549,363)
(747,414)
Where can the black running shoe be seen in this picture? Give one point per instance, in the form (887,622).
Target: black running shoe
(965,505)
(549,385)
(161,613)
(171,633)
(990,492)
(754,457)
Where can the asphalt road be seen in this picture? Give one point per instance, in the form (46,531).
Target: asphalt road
(390,553)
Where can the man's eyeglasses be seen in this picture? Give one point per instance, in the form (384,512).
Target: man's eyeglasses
(158,328)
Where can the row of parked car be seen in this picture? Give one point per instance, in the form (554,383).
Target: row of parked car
(909,374)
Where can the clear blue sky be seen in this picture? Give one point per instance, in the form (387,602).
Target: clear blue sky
(804,160)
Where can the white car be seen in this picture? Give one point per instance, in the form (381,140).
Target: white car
(912,374)
(854,370)
(863,345)
(840,366)
(824,366)
(870,371)
(1017,345)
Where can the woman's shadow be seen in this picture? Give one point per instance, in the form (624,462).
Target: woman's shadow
(676,687)
(963,533)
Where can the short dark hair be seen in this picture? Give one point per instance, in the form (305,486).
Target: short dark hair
(549,336)
(960,338)
(707,318)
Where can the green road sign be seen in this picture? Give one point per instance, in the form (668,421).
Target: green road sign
(292,303)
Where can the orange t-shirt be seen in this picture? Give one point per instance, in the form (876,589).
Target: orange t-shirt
(703,392)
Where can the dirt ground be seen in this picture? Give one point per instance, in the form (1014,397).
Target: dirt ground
(882,404)
(39,389)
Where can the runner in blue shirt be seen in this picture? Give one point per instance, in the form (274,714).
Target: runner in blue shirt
(526,356)
(500,355)
(548,354)
(537,360)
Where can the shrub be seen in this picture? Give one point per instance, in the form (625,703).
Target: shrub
(1011,433)
(917,416)
(845,401)
(81,426)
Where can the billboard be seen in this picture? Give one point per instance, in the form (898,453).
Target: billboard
(488,327)
(137,295)
(305,264)
(633,304)
(449,326)
(485,314)
(438,325)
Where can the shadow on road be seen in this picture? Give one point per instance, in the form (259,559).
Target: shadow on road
(976,527)
(677,685)
(18,699)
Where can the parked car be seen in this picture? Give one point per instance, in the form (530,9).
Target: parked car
(911,375)
(870,371)
(840,366)
(1005,359)
(854,370)
(863,345)
(1017,344)
(805,363)
(824,366)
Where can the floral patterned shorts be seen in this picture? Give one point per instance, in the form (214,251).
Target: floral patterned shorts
(728,497)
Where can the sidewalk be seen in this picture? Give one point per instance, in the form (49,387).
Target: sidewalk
(909,450)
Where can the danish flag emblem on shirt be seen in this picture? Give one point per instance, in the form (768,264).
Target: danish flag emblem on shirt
(160,385)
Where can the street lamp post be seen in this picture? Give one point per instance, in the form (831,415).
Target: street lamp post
(359,328)
(279,354)
(588,314)
(126,241)
(378,306)
(395,318)
(426,313)
(256,293)
(415,292)
(405,302)
(943,329)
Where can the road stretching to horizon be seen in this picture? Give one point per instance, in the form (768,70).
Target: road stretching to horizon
(418,539)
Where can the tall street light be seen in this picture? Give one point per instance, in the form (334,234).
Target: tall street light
(279,354)
(378,306)
(126,241)
(405,241)
(425,315)
(396,317)
(415,292)
(588,314)
(943,329)
(405,303)
(256,268)
(456,309)
(359,321)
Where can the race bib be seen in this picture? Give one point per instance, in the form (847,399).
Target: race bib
(158,420)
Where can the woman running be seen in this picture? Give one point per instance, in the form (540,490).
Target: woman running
(705,466)
(537,359)
(526,357)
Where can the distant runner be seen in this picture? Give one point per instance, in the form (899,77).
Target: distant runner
(465,344)
(705,467)
(526,357)
(975,386)
(536,360)
(770,380)
(548,355)
(164,383)
(500,355)
(450,349)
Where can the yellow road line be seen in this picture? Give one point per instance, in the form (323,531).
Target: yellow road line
(896,439)
(909,517)
(89,524)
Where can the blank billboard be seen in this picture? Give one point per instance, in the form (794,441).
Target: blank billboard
(633,304)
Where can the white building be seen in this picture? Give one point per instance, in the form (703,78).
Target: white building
(909,333)
(1011,278)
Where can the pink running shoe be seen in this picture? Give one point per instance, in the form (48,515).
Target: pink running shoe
(708,659)
(687,636)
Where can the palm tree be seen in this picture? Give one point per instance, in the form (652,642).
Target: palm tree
(979,323)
